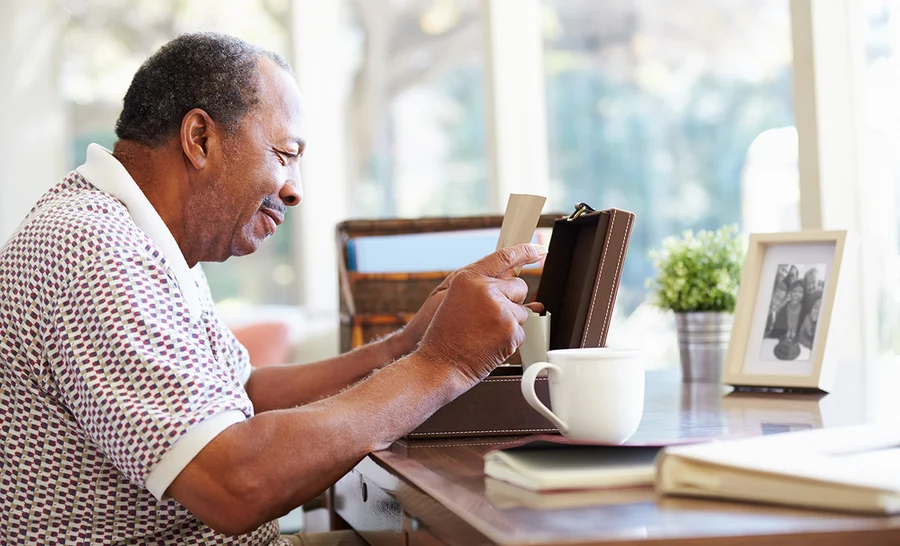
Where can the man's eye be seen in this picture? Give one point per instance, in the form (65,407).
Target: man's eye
(286,157)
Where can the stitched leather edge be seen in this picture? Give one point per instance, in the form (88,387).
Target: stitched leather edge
(499,379)
(587,327)
(455,444)
(454,432)
(616,275)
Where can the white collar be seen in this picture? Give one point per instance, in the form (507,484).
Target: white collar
(105,173)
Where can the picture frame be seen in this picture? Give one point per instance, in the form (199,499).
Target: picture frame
(780,338)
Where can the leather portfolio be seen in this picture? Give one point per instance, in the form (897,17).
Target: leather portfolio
(578,286)
(581,275)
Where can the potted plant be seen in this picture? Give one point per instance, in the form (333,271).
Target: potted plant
(698,277)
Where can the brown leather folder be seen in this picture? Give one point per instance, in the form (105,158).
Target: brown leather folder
(581,275)
(494,407)
(578,286)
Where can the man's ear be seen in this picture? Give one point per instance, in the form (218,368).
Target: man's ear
(198,137)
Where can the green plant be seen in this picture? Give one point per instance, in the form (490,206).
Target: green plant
(699,272)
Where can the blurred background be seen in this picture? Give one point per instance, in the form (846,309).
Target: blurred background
(682,112)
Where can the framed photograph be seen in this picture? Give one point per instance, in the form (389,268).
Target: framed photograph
(784,311)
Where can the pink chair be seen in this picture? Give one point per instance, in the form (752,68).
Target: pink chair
(266,342)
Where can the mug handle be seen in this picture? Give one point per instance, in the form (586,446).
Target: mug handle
(531,397)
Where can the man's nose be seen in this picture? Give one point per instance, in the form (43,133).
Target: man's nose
(292,191)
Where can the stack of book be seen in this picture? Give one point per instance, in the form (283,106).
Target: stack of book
(847,469)
(553,472)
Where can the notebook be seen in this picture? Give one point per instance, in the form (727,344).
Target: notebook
(506,495)
(854,469)
(552,464)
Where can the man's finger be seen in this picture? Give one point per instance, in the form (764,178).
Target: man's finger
(515,289)
(519,312)
(536,306)
(445,283)
(501,261)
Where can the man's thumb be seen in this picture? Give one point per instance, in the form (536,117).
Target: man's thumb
(501,261)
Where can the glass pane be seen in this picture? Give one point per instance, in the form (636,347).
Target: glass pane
(106,42)
(681,115)
(881,140)
(417,110)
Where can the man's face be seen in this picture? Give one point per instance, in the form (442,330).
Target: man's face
(258,175)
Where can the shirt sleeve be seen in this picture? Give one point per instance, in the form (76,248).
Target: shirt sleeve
(139,375)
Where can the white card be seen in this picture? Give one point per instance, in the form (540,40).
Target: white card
(523,212)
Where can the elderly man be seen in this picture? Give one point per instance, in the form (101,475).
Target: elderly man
(130,414)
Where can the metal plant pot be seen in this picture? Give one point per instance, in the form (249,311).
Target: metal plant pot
(702,343)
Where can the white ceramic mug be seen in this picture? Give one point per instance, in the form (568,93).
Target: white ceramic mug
(597,394)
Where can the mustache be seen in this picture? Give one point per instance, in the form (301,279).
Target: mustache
(272,202)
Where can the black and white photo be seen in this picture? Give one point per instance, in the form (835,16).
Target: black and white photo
(793,313)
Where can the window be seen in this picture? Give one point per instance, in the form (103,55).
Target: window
(416,123)
(681,113)
(671,112)
(683,116)
(881,170)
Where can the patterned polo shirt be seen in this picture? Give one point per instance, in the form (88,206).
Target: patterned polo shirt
(114,370)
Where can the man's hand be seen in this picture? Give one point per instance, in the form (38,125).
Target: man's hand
(415,329)
(478,320)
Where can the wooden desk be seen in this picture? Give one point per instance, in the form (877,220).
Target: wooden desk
(431,492)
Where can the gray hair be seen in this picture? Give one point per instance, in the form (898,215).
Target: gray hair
(214,72)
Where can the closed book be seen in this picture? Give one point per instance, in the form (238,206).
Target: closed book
(853,469)
(506,495)
(555,465)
